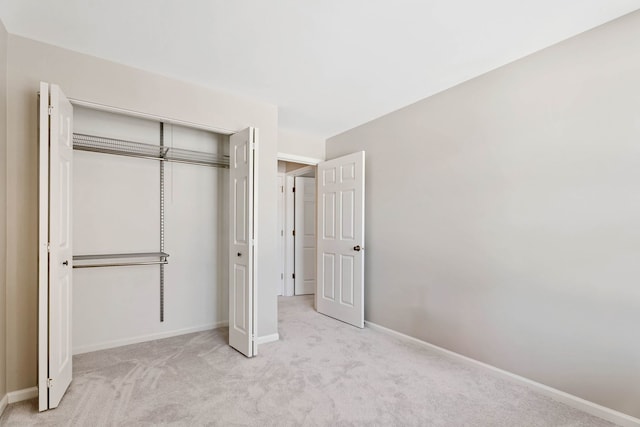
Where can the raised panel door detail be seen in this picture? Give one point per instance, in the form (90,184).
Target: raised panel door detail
(346,280)
(329,278)
(65,208)
(309,218)
(329,205)
(329,176)
(347,206)
(64,327)
(241,155)
(348,172)
(240,202)
(240,279)
(309,264)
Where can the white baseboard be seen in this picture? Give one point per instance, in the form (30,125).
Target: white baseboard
(149,337)
(267,338)
(3,403)
(566,398)
(20,395)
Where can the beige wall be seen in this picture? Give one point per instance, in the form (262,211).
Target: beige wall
(300,144)
(503,216)
(3,206)
(91,79)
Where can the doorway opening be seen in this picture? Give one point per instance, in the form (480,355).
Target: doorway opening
(296,228)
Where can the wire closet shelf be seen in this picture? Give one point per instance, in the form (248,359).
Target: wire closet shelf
(99,144)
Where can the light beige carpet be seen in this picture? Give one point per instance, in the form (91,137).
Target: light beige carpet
(321,372)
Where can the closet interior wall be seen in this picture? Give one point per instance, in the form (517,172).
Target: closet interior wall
(116,209)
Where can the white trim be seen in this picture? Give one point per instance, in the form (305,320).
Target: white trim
(21,395)
(267,338)
(149,337)
(148,116)
(298,159)
(303,171)
(255,249)
(561,396)
(3,403)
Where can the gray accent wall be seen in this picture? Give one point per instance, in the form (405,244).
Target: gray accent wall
(3,207)
(503,216)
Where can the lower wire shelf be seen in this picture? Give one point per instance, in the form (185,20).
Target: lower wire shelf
(121,260)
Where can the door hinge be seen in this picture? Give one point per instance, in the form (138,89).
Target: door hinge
(48,247)
(281,276)
(49,382)
(282,188)
(294,189)
(293,232)
(50,109)
(282,232)
(293,276)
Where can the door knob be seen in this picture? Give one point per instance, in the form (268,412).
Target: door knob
(65,263)
(357,248)
(239,254)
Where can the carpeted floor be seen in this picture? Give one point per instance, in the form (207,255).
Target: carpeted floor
(321,372)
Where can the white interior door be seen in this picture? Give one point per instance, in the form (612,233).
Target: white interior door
(289,241)
(242,242)
(305,236)
(340,259)
(55,254)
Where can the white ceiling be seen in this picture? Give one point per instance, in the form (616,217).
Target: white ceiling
(329,65)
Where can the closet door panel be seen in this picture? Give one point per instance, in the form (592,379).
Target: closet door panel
(241,286)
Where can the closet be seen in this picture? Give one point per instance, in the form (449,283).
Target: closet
(149,236)
(145,231)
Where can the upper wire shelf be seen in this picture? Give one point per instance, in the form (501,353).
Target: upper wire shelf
(99,144)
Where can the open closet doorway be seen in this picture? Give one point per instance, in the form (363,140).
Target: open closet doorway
(108,265)
(297,228)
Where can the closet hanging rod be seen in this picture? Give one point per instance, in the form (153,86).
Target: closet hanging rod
(161,255)
(121,264)
(120,147)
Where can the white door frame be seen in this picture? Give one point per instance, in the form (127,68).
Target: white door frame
(289,267)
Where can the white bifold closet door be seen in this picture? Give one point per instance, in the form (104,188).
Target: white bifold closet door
(242,306)
(340,287)
(55,246)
